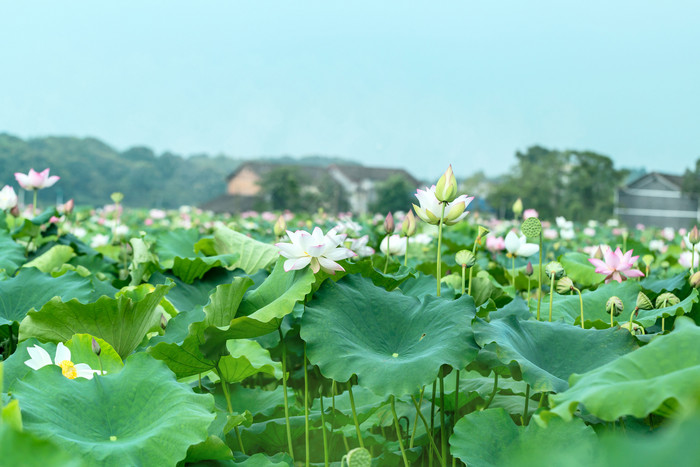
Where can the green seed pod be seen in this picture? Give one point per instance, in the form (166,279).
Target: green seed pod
(666,299)
(483,231)
(117,197)
(648,259)
(614,305)
(564,285)
(531,227)
(554,268)
(465,258)
(359,457)
(643,302)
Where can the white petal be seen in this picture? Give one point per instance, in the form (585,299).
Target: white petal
(62,353)
(289,250)
(339,253)
(527,249)
(40,356)
(295,264)
(512,242)
(84,371)
(330,266)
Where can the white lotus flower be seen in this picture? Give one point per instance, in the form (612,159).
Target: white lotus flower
(359,246)
(518,246)
(41,358)
(397,245)
(99,240)
(315,249)
(430,207)
(8,198)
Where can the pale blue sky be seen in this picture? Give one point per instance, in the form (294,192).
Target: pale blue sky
(402,83)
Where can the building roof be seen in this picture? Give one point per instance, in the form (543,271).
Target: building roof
(672,181)
(263,168)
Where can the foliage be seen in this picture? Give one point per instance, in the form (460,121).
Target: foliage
(393,194)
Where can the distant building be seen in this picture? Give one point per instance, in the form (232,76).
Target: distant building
(656,199)
(359,182)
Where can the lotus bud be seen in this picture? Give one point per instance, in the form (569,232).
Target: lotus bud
(483,231)
(667,299)
(96,347)
(598,253)
(665,264)
(408,227)
(635,330)
(465,258)
(280,226)
(163,321)
(117,197)
(446,187)
(614,305)
(68,207)
(564,285)
(554,268)
(518,207)
(695,280)
(648,259)
(529,269)
(15,211)
(694,236)
(389,224)
(643,302)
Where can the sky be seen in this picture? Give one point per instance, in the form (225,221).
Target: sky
(413,84)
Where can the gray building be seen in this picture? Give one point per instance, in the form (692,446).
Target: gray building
(656,199)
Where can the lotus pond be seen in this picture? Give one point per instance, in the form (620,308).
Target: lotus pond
(185,338)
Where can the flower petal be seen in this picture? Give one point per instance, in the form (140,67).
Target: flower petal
(62,353)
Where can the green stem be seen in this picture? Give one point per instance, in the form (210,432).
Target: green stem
(464,273)
(692,260)
(527,294)
(551,296)
(224,387)
(323,430)
(354,415)
(663,325)
(99,358)
(398,431)
(432,421)
(388,253)
(456,412)
(433,447)
(539,284)
(527,403)
(405,255)
(306,407)
(512,273)
(439,248)
(580,302)
(443,425)
(493,393)
(415,422)
(286,401)
(34,205)
(469,289)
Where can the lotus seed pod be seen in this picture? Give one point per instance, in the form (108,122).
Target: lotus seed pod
(529,269)
(465,258)
(648,259)
(615,305)
(666,299)
(389,224)
(564,285)
(359,457)
(694,236)
(280,226)
(643,302)
(446,187)
(518,207)
(483,231)
(695,280)
(554,268)
(96,347)
(408,227)
(117,197)
(635,330)
(665,264)
(531,227)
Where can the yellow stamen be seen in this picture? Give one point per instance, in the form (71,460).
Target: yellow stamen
(68,369)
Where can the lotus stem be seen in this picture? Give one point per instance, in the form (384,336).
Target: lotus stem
(388,253)
(455,415)
(415,423)
(398,431)
(286,401)
(224,388)
(464,273)
(432,421)
(527,403)
(34,205)
(405,255)
(306,406)
(354,414)
(443,428)
(512,273)
(323,429)
(580,301)
(692,261)
(493,393)
(539,282)
(439,250)
(433,447)
(551,296)
(469,290)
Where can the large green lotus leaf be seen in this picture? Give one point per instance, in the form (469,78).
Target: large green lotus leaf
(271,435)
(568,307)
(143,261)
(122,321)
(579,269)
(420,286)
(649,317)
(393,342)
(138,416)
(254,255)
(189,269)
(178,328)
(212,448)
(671,284)
(392,279)
(637,384)
(262,309)
(24,449)
(257,400)
(185,358)
(185,297)
(12,253)
(263,460)
(548,353)
(80,346)
(52,259)
(24,227)
(31,289)
(490,439)
(173,243)
(366,404)
(224,302)
(247,358)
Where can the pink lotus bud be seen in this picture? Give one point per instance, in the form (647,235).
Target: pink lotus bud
(694,236)
(96,347)
(68,207)
(389,224)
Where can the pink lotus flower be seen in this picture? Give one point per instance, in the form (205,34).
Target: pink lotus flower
(530,213)
(617,266)
(36,180)
(495,244)
(315,249)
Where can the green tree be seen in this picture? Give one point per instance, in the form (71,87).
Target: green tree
(281,187)
(393,194)
(691,180)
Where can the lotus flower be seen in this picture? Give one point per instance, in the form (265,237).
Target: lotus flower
(36,180)
(686,257)
(495,244)
(315,249)
(8,198)
(41,358)
(518,246)
(616,265)
(528,213)
(430,207)
(359,246)
(397,245)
